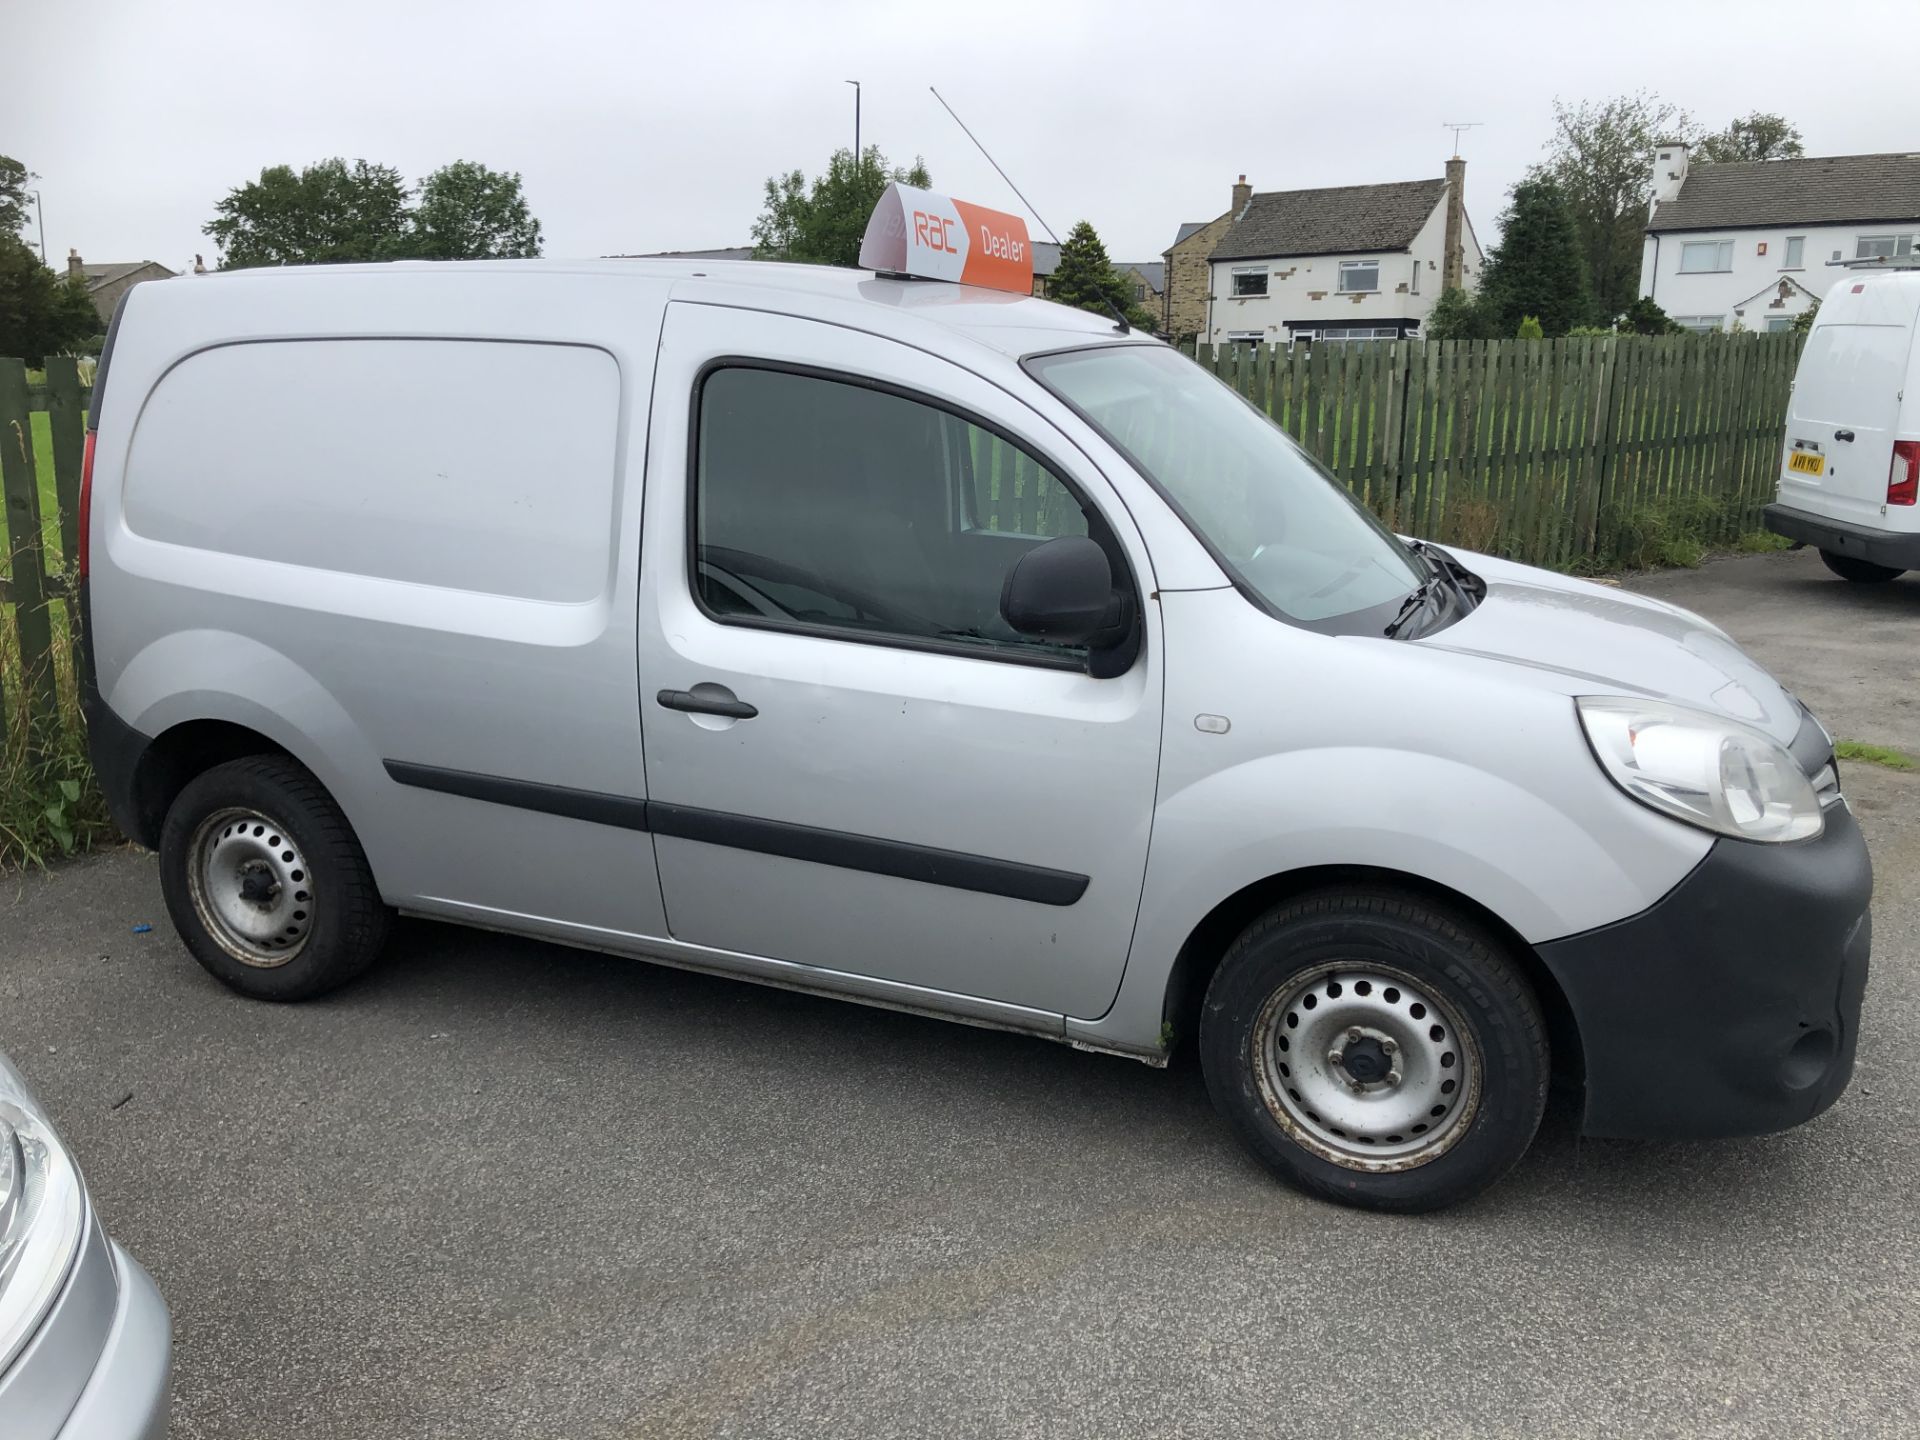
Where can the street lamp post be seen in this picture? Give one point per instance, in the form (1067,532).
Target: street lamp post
(39,216)
(856,125)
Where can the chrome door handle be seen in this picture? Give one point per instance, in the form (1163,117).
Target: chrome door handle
(718,700)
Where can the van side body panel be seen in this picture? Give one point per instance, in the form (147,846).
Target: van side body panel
(1334,759)
(471,629)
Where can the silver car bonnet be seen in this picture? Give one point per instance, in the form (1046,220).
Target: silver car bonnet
(1599,639)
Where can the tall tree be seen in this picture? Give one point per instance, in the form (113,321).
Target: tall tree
(1537,268)
(14,204)
(1600,155)
(822,224)
(328,212)
(41,313)
(1085,278)
(1759,136)
(468,212)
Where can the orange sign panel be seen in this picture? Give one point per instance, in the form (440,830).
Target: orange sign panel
(916,232)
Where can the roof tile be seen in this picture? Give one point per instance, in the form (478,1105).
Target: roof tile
(1824,190)
(1343,220)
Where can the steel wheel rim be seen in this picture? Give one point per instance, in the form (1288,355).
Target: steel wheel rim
(251,885)
(1366,1067)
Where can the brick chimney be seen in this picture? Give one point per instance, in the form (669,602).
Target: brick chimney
(1242,193)
(1669,170)
(1453,273)
(75,270)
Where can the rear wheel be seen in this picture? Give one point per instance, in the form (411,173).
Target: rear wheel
(1374,1049)
(266,883)
(1861,572)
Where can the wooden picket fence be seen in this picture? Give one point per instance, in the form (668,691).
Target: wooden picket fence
(39,615)
(1555,452)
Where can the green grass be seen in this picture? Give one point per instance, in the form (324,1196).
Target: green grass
(49,804)
(1760,542)
(1875,755)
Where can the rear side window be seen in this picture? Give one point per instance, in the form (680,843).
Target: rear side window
(824,503)
(466,465)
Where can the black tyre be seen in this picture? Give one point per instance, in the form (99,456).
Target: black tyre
(1861,572)
(1376,1050)
(266,883)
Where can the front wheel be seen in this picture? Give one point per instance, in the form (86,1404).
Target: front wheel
(266,883)
(1376,1050)
(1861,572)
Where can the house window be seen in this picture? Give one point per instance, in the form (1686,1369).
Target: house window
(1883,247)
(1139,292)
(1250,282)
(1701,324)
(1244,337)
(1359,276)
(1359,332)
(1796,252)
(1415,289)
(1701,257)
(1777,323)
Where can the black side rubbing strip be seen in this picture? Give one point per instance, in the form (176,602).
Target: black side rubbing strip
(954,869)
(620,810)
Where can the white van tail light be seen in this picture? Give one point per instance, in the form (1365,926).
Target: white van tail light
(1903,477)
(86,507)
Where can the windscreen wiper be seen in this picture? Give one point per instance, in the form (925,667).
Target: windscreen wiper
(1415,602)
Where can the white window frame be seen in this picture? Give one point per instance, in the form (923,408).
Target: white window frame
(1349,332)
(1246,337)
(1795,255)
(1898,247)
(1250,272)
(1701,324)
(1776,324)
(1722,257)
(1349,267)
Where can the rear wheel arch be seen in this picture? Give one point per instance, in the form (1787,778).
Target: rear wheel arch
(1200,955)
(175,757)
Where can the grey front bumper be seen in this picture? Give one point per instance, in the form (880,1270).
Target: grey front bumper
(1878,547)
(100,1365)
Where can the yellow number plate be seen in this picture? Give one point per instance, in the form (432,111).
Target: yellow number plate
(1807,463)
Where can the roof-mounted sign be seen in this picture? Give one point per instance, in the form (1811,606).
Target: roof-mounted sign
(916,232)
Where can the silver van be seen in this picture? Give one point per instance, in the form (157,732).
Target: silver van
(943,649)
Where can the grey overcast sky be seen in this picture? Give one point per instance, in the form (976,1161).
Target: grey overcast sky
(642,126)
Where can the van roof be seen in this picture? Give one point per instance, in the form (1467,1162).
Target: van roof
(1885,297)
(1014,325)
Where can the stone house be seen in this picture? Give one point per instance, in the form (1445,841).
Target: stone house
(107,283)
(1188,278)
(1750,244)
(1350,262)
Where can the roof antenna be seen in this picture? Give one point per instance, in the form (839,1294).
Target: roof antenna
(1119,317)
(1456,126)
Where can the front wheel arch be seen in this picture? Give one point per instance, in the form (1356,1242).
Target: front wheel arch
(1208,943)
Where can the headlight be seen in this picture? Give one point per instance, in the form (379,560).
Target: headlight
(42,1214)
(1714,773)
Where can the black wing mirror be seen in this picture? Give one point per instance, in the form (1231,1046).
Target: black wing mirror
(1063,591)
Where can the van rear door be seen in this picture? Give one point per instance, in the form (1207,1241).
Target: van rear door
(1846,404)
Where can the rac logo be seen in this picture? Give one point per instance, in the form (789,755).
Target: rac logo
(932,231)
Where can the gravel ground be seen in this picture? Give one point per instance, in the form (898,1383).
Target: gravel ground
(500,1188)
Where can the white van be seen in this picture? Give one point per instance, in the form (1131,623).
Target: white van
(1850,475)
(944,649)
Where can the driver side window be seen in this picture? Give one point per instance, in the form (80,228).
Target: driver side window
(825,504)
